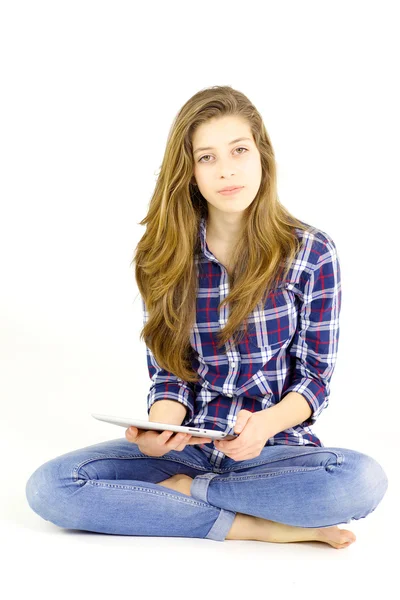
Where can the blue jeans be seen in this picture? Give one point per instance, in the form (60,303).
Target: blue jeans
(111,487)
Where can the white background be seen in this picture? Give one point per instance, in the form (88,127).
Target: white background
(88,94)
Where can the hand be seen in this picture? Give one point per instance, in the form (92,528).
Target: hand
(154,443)
(256,428)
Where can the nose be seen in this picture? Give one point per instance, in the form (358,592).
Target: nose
(226,172)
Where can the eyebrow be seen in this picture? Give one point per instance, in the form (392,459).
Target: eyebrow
(230,143)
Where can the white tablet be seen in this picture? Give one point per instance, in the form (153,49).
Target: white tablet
(146,425)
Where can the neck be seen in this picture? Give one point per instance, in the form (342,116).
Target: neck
(226,229)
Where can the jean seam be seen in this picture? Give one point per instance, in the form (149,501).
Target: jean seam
(246,476)
(75,471)
(339,460)
(146,490)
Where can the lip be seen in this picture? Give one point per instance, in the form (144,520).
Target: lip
(230,190)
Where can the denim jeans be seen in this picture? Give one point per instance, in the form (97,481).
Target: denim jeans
(112,487)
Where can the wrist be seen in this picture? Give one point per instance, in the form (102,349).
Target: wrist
(271,420)
(290,411)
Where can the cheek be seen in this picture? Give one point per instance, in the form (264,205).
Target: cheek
(253,175)
(201,178)
(253,169)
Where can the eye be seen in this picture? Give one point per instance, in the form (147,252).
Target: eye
(207,161)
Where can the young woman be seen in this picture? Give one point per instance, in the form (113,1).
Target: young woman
(241,305)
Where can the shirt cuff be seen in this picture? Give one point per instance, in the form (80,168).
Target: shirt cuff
(315,395)
(180,392)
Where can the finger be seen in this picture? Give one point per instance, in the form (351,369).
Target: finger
(131,433)
(229,446)
(184,443)
(164,436)
(197,440)
(179,440)
(240,455)
(233,453)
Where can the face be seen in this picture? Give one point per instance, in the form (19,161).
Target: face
(224,163)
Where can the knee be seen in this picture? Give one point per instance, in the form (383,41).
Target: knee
(370,482)
(40,489)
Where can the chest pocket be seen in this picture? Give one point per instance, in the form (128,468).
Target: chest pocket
(273,324)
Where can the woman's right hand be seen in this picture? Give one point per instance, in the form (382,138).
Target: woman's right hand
(153,443)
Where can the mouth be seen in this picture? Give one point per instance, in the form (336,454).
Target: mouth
(231,190)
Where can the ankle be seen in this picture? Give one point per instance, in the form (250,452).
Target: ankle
(244,527)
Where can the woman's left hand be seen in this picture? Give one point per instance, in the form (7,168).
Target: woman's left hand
(254,429)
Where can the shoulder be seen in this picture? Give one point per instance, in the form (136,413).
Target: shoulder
(317,253)
(316,245)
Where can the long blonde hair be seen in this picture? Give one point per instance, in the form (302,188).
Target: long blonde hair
(165,268)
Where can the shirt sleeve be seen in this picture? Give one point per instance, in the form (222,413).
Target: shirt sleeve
(315,342)
(165,385)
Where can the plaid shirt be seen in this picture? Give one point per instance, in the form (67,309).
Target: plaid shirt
(291,345)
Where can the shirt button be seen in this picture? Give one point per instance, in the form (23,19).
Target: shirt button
(232,364)
(229,395)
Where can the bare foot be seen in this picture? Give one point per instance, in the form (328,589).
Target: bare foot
(179,483)
(335,537)
(271,531)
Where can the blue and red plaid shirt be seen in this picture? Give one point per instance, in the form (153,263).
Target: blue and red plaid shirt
(291,345)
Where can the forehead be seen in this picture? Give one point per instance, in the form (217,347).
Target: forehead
(221,132)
